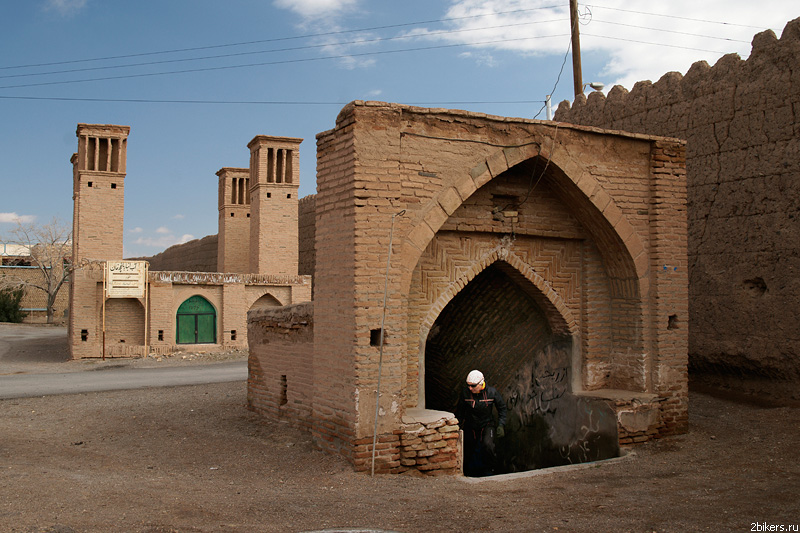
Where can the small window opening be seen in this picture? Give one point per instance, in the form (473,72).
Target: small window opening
(231,214)
(269,195)
(161,334)
(84,335)
(89,184)
(113,185)
(233,334)
(672,323)
(284,390)
(375,337)
(289,195)
(122,341)
(248,215)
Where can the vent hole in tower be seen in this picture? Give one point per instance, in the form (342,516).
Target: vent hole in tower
(375,337)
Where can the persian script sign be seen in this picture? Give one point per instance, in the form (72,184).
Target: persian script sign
(125,279)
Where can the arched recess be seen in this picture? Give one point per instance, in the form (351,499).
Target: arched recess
(496,321)
(559,317)
(124,321)
(266,301)
(196,322)
(618,354)
(619,244)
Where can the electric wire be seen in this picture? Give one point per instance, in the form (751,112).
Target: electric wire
(676,17)
(277,62)
(278,39)
(276,50)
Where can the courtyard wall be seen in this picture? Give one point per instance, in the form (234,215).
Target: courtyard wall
(739,119)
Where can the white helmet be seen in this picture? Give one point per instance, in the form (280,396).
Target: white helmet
(475,377)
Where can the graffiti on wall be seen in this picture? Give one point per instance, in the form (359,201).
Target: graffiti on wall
(547,424)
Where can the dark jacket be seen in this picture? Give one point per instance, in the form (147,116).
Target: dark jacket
(474,411)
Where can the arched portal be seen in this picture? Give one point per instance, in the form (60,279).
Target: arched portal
(492,325)
(196,322)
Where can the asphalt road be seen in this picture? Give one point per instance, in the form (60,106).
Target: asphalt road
(106,379)
(34,361)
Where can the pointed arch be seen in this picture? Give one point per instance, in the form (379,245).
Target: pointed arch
(560,318)
(620,245)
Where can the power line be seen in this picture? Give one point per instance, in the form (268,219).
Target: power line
(278,39)
(676,17)
(649,43)
(250,102)
(670,31)
(280,62)
(290,49)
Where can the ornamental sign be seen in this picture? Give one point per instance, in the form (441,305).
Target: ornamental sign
(125,279)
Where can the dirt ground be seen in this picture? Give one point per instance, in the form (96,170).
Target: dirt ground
(190,459)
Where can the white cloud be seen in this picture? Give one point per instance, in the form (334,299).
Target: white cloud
(641,43)
(323,17)
(178,217)
(136,230)
(13,218)
(163,230)
(314,9)
(186,238)
(65,7)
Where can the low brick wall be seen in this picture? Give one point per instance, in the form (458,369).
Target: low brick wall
(280,387)
(280,366)
(427,441)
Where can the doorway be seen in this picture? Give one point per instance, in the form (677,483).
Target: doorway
(196,322)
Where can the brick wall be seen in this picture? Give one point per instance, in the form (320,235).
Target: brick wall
(742,157)
(280,365)
(575,214)
(306,235)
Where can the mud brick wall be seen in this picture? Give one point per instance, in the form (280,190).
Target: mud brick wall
(198,255)
(306,230)
(280,371)
(739,119)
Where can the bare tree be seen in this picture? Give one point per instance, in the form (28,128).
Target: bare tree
(50,251)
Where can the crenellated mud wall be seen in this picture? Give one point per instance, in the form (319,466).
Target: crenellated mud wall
(740,121)
(199,255)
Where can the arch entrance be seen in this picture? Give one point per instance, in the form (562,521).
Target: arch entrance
(196,322)
(495,325)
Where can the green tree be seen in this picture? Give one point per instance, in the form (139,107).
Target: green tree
(10,305)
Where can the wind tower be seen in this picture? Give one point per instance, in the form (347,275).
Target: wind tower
(98,194)
(274,183)
(233,244)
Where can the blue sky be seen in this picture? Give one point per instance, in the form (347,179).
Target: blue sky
(196,80)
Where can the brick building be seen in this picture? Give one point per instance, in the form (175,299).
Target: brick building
(552,257)
(201,302)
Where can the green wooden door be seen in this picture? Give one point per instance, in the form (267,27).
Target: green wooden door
(196,322)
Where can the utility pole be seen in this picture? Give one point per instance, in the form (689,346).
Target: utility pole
(576,48)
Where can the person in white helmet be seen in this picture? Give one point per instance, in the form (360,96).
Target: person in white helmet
(475,414)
